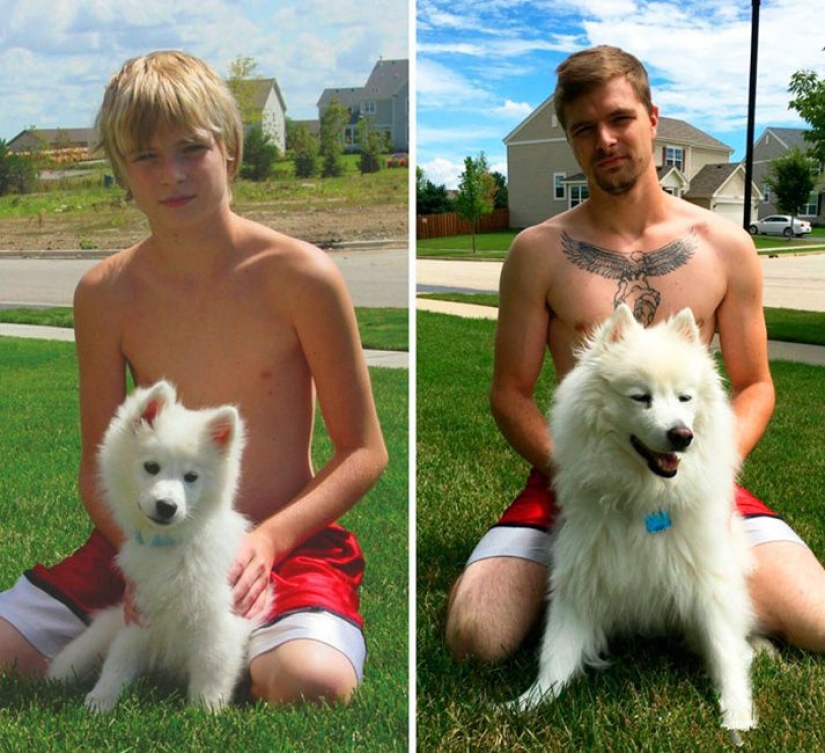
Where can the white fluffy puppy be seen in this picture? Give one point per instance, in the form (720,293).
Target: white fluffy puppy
(169,476)
(649,540)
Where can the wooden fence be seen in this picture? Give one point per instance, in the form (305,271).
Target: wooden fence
(449,223)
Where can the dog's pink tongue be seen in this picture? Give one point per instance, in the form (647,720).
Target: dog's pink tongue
(667,461)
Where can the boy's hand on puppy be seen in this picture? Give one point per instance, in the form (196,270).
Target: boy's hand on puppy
(131,615)
(249,576)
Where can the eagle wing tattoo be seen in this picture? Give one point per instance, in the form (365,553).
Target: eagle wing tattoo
(632,272)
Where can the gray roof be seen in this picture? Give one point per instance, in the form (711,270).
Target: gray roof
(671,129)
(711,178)
(53,138)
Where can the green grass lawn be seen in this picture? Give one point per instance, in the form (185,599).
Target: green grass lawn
(655,696)
(785,325)
(495,245)
(380,328)
(43,520)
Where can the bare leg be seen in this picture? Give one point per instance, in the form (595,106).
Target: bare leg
(17,654)
(493,606)
(302,670)
(788,592)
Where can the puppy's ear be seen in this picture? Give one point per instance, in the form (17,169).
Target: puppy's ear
(157,396)
(617,327)
(223,427)
(684,324)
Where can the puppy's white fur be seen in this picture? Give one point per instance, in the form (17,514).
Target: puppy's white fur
(169,476)
(610,574)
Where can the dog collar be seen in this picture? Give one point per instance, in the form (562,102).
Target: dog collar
(157,540)
(657,522)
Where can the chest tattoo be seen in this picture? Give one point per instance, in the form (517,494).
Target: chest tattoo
(633,273)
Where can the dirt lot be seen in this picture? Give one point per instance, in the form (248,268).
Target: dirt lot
(124,227)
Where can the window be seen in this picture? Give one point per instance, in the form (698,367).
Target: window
(766,195)
(368,107)
(558,186)
(674,157)
(810,209)
(578,193)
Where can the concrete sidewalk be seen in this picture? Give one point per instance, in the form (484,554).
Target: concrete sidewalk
(387,359)
(777,351)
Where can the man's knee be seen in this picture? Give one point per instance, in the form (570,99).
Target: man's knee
(303,671)
(18,655)
(471,633)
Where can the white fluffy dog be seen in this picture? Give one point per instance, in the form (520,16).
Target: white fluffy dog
(169,476)
(648,540)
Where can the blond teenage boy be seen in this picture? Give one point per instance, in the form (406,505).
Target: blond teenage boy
(230,311)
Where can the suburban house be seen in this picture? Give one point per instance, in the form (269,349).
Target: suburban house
(544,179)
(80,141)
(267,107)
(385,98)
(773,143)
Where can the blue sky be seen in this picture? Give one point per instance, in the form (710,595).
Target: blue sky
(484,65)
(56,55)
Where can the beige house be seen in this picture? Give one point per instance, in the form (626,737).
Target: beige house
(544,179)
(774,143)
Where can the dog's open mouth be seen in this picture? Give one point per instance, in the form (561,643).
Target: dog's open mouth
(664,464)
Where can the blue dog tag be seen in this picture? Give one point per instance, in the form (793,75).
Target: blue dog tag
(657,522)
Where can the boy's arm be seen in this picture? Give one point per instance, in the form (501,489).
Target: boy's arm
(324,320)
(101,369)
(743,342)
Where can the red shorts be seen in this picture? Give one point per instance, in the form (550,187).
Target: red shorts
(323,574)
(535,507)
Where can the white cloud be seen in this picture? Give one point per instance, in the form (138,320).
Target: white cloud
(512,109)
(443,172)
(55,58)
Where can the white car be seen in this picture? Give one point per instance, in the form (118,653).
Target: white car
(780,224)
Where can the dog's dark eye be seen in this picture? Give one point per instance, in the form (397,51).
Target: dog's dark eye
(646,400)
(151,467)
(685,398)
(190,478)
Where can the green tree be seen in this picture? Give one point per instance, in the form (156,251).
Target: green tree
(809,102)
(430,198)
(241,82)
(476,192)
(372,145)
(791,180)
(18,173)
(502,198)
(333,121)
(304,147)
(259,154)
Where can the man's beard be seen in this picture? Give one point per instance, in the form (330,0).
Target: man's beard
(619,182)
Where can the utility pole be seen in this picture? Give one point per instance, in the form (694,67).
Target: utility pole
(751,112)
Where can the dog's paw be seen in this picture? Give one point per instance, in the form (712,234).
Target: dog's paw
(100,703)
(212,703)
(536,695)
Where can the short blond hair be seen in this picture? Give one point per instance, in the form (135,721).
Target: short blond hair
(588,69)
(165,90)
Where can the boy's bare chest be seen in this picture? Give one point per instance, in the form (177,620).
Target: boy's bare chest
(217,348)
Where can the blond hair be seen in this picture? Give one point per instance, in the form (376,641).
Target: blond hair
(162,91)
(588,69)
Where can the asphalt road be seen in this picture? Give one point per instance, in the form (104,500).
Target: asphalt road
(375,277)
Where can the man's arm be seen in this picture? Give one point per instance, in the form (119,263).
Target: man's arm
(521,340)
(743,340)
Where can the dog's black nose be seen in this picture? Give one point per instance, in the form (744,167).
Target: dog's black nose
(165,509)
(680,437)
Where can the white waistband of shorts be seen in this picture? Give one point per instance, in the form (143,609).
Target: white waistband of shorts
(764,529)
(513,541)
(42,620)
(321,626)
(534,545)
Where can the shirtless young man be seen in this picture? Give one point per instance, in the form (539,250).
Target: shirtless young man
(231,312)
(629,242)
